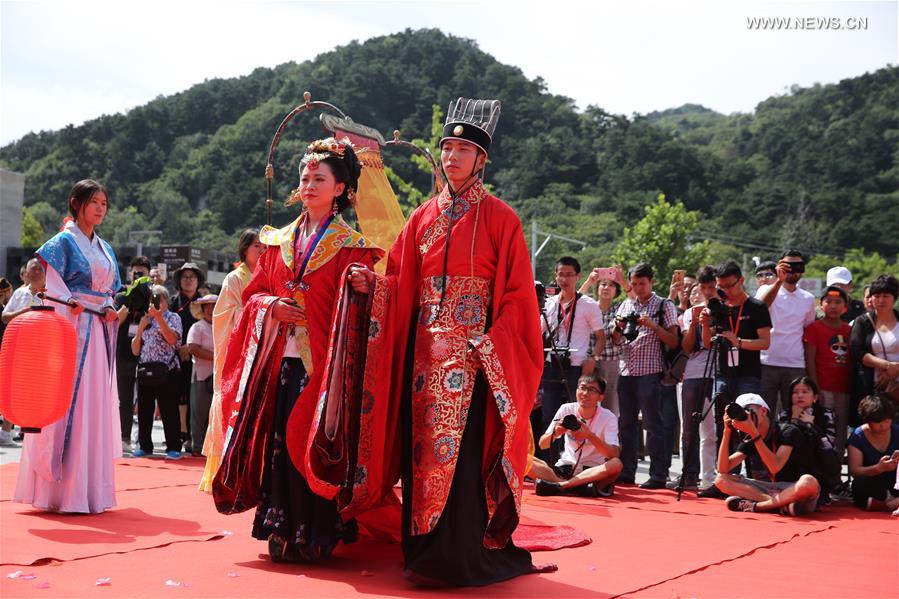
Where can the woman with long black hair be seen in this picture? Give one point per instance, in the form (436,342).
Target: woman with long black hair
(276,357)
(69,465)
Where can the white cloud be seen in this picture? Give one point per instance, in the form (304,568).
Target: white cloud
(65,62)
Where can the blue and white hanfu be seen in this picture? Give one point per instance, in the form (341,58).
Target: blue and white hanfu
(69,465)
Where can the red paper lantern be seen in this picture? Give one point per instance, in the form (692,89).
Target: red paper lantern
(37,368)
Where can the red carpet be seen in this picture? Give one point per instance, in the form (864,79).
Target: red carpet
(644,545)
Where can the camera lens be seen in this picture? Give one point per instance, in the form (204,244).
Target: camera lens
(630,326)
(736,412)
(570,422)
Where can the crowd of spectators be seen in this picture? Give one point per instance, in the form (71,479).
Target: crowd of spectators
(163,366)
(816,379)
(788,386)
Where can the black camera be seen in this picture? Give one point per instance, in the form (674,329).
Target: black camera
(155,300)
(540,289)
(630,326)
(718,314)
(564,471)
(571,422)
(735,411)
(797,267)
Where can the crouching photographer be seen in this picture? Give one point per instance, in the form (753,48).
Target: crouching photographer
(589,463)
(779,460)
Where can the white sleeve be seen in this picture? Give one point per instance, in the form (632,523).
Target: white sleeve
(559,415)
(15,302)
(610,434)
(55,286)
(594,316)
(811,316)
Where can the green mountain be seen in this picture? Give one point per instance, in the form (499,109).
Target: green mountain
(817,168)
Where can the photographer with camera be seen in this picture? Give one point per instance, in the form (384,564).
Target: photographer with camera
(589,462)
(609,283)
(792,309)
(643,323)
(741,327)
(698,437)
(156,344)
(779,460)
(567,321)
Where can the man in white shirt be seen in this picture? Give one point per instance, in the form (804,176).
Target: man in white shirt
(25,296)
(792,309)
(567,321)
(589,462)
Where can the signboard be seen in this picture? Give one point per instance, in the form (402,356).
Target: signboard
(176,255)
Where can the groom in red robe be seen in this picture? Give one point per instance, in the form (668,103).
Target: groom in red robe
(467,358)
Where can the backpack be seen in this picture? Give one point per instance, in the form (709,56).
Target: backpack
(674,358)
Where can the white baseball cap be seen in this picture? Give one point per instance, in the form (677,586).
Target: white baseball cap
(751,399)
(838,275)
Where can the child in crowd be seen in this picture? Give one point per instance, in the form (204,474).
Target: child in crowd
(827,360)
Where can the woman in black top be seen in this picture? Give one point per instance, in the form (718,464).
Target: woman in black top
(188,279)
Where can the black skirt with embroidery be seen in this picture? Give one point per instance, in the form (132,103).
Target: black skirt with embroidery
(453,553)
(288,508)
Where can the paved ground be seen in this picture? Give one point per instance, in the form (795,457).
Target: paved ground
(9,455)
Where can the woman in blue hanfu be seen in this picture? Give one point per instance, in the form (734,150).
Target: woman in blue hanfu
(69,465)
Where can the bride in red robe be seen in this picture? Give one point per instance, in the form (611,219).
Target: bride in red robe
(274,363)
(467,362)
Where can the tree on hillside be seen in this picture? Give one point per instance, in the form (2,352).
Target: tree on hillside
(864,267)
(662,239)
(32,233)
(49,217)
(205,148)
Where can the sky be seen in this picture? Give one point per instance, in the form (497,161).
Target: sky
(67,62)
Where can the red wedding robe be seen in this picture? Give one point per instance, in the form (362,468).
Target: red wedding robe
(257,345)
(487,321)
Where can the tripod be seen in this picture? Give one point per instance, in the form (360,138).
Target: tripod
(549,345)
(705,391)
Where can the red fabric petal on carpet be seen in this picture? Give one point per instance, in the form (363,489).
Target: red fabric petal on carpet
(548,538)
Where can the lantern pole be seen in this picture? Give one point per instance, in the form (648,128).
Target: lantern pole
(50,298)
